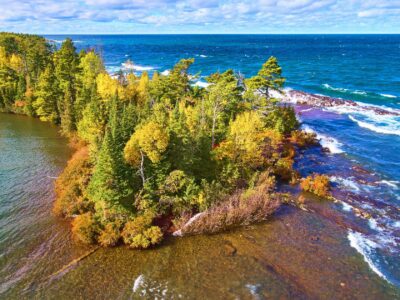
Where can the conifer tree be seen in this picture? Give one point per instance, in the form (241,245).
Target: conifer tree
(47,94)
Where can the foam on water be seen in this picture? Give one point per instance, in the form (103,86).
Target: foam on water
(130,66)
(347,183)
(201,84)
(366,248)
(346,207)
(379,128)
(343,90)
(388,96)
(331,143)
(390,183)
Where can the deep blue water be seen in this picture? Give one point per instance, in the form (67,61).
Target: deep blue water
(362,68)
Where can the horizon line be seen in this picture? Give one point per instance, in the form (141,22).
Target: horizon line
(220,33)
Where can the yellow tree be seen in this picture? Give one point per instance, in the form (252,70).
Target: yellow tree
(246,140)
(149,140)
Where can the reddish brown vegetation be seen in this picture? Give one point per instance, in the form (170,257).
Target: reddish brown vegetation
(70,185)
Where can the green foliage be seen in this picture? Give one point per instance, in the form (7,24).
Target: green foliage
(179,192)
(151,142)
(46,94)
(109,185)
(282,119)
(269,78)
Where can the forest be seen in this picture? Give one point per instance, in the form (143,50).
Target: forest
(156,154)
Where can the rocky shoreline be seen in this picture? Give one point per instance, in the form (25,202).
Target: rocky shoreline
(314,100)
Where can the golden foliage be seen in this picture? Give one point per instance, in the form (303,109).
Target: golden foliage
(85,228)
(316,184)
(151,139)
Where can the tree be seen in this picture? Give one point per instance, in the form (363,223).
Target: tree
(246,141)
(90,67)
(223,99)
(47,94)
(66,68)
(149,140)
(173,87)
(268,78)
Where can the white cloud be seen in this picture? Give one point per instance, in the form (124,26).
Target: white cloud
(282,15)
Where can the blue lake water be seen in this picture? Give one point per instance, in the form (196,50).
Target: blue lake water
(362,68)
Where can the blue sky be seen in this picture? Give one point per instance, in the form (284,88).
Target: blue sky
(200,16)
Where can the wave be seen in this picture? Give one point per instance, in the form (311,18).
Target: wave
(388,96)
(379,128)
(347,183)
(343,90)
(165,72)
(201,84)
(331,143)
(130,66)
(326,86)
(391,183)
(346,206)
(366,248)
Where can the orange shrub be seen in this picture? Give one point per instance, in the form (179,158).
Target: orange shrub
(316,184)
(85,228)
(70,185)
(302,138)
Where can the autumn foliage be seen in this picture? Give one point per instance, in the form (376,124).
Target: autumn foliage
(316,184)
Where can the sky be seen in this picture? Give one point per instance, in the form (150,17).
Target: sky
(199,16)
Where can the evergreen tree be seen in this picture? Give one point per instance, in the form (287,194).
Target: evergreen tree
(269,78)
(47,94)
(66,68)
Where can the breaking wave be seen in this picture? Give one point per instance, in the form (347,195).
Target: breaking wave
(331,143)
(367,248)
(380,127)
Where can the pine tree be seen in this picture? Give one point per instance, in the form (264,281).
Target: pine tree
(66,68)
(110,184)
(47,93)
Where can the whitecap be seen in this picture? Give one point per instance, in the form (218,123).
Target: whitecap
(346,183)
(201,84)
(373,224)
(366,248)
(346,207)
(344,90)
(388,96)
(391,183)
(130,66)
(326,141)
(202,55)
(385,128)
(138,283)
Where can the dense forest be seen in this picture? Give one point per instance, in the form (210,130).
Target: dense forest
(152,152)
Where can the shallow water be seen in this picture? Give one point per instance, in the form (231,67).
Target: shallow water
(296,254)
